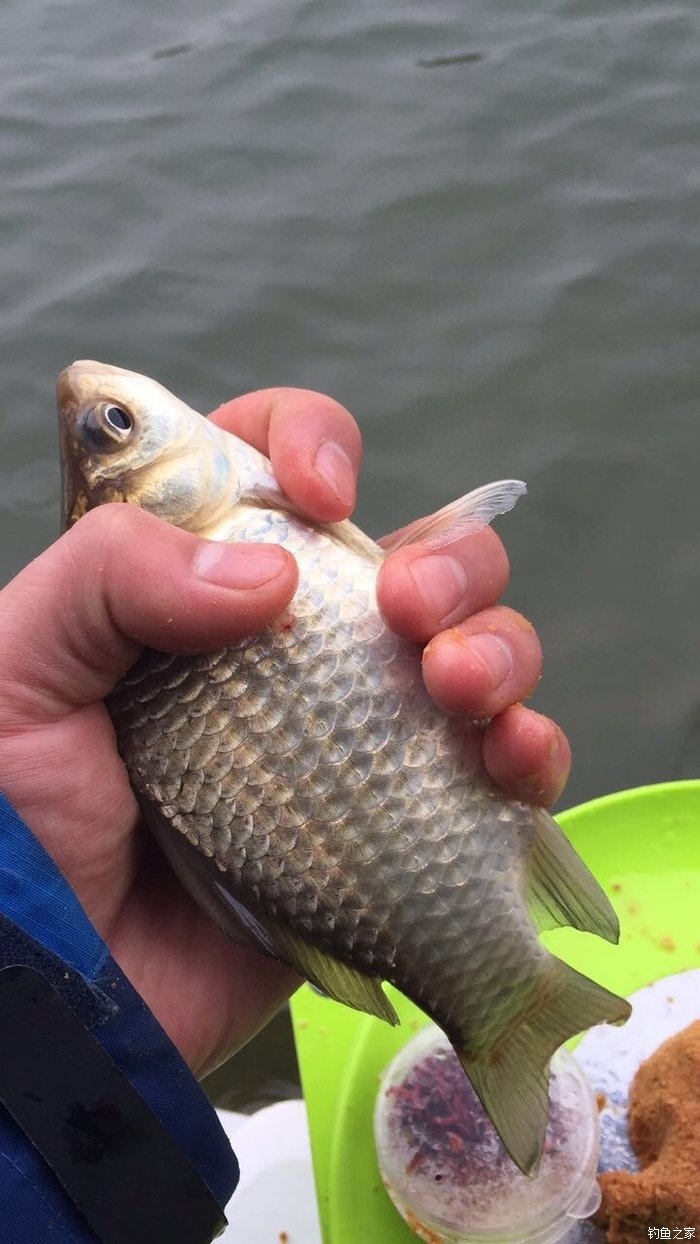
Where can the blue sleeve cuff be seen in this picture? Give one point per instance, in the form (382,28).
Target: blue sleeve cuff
(51,929)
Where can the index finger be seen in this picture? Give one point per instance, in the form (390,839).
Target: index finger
(313,442)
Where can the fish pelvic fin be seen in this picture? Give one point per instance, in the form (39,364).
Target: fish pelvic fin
(336,979)
(511,1079)
(210,889)
(561,890)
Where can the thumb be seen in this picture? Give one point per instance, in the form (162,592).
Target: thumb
(75,619)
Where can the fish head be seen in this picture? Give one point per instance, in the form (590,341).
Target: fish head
(124,437)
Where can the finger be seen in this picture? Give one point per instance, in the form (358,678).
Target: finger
(74,620)
(527,755)
(421,591)
(313,442)
(484,664)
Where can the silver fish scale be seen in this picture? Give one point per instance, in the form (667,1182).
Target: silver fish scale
(313,768)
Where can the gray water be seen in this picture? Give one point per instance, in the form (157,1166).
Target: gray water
(476,225)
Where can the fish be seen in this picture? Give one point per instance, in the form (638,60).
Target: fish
(308,792)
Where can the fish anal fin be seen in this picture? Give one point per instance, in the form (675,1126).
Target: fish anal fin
(462,517)
(512,1078)
(561,890)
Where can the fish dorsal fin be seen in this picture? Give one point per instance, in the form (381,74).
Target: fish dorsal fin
(462,517)
(353,538)
(344,533)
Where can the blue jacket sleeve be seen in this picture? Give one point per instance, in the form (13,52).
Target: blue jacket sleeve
(45,935)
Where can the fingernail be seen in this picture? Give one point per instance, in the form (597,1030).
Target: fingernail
(238,565)
(336,470)
(560,758)
(442,582)
(496,656)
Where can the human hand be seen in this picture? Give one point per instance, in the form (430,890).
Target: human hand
(480,658)
(74,620)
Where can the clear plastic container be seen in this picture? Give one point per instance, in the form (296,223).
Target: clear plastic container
(446,1170)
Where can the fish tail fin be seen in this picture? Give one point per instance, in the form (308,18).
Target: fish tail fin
(511,1079)
(561,890)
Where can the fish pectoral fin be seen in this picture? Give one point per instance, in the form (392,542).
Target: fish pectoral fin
(338,980)
(462,517)
(206,884)
(512,1078)
(561,890)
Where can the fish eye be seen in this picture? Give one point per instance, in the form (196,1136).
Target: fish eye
(118,419)
(107,426)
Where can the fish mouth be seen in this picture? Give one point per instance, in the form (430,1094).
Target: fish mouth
(74,501)
(74,387)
